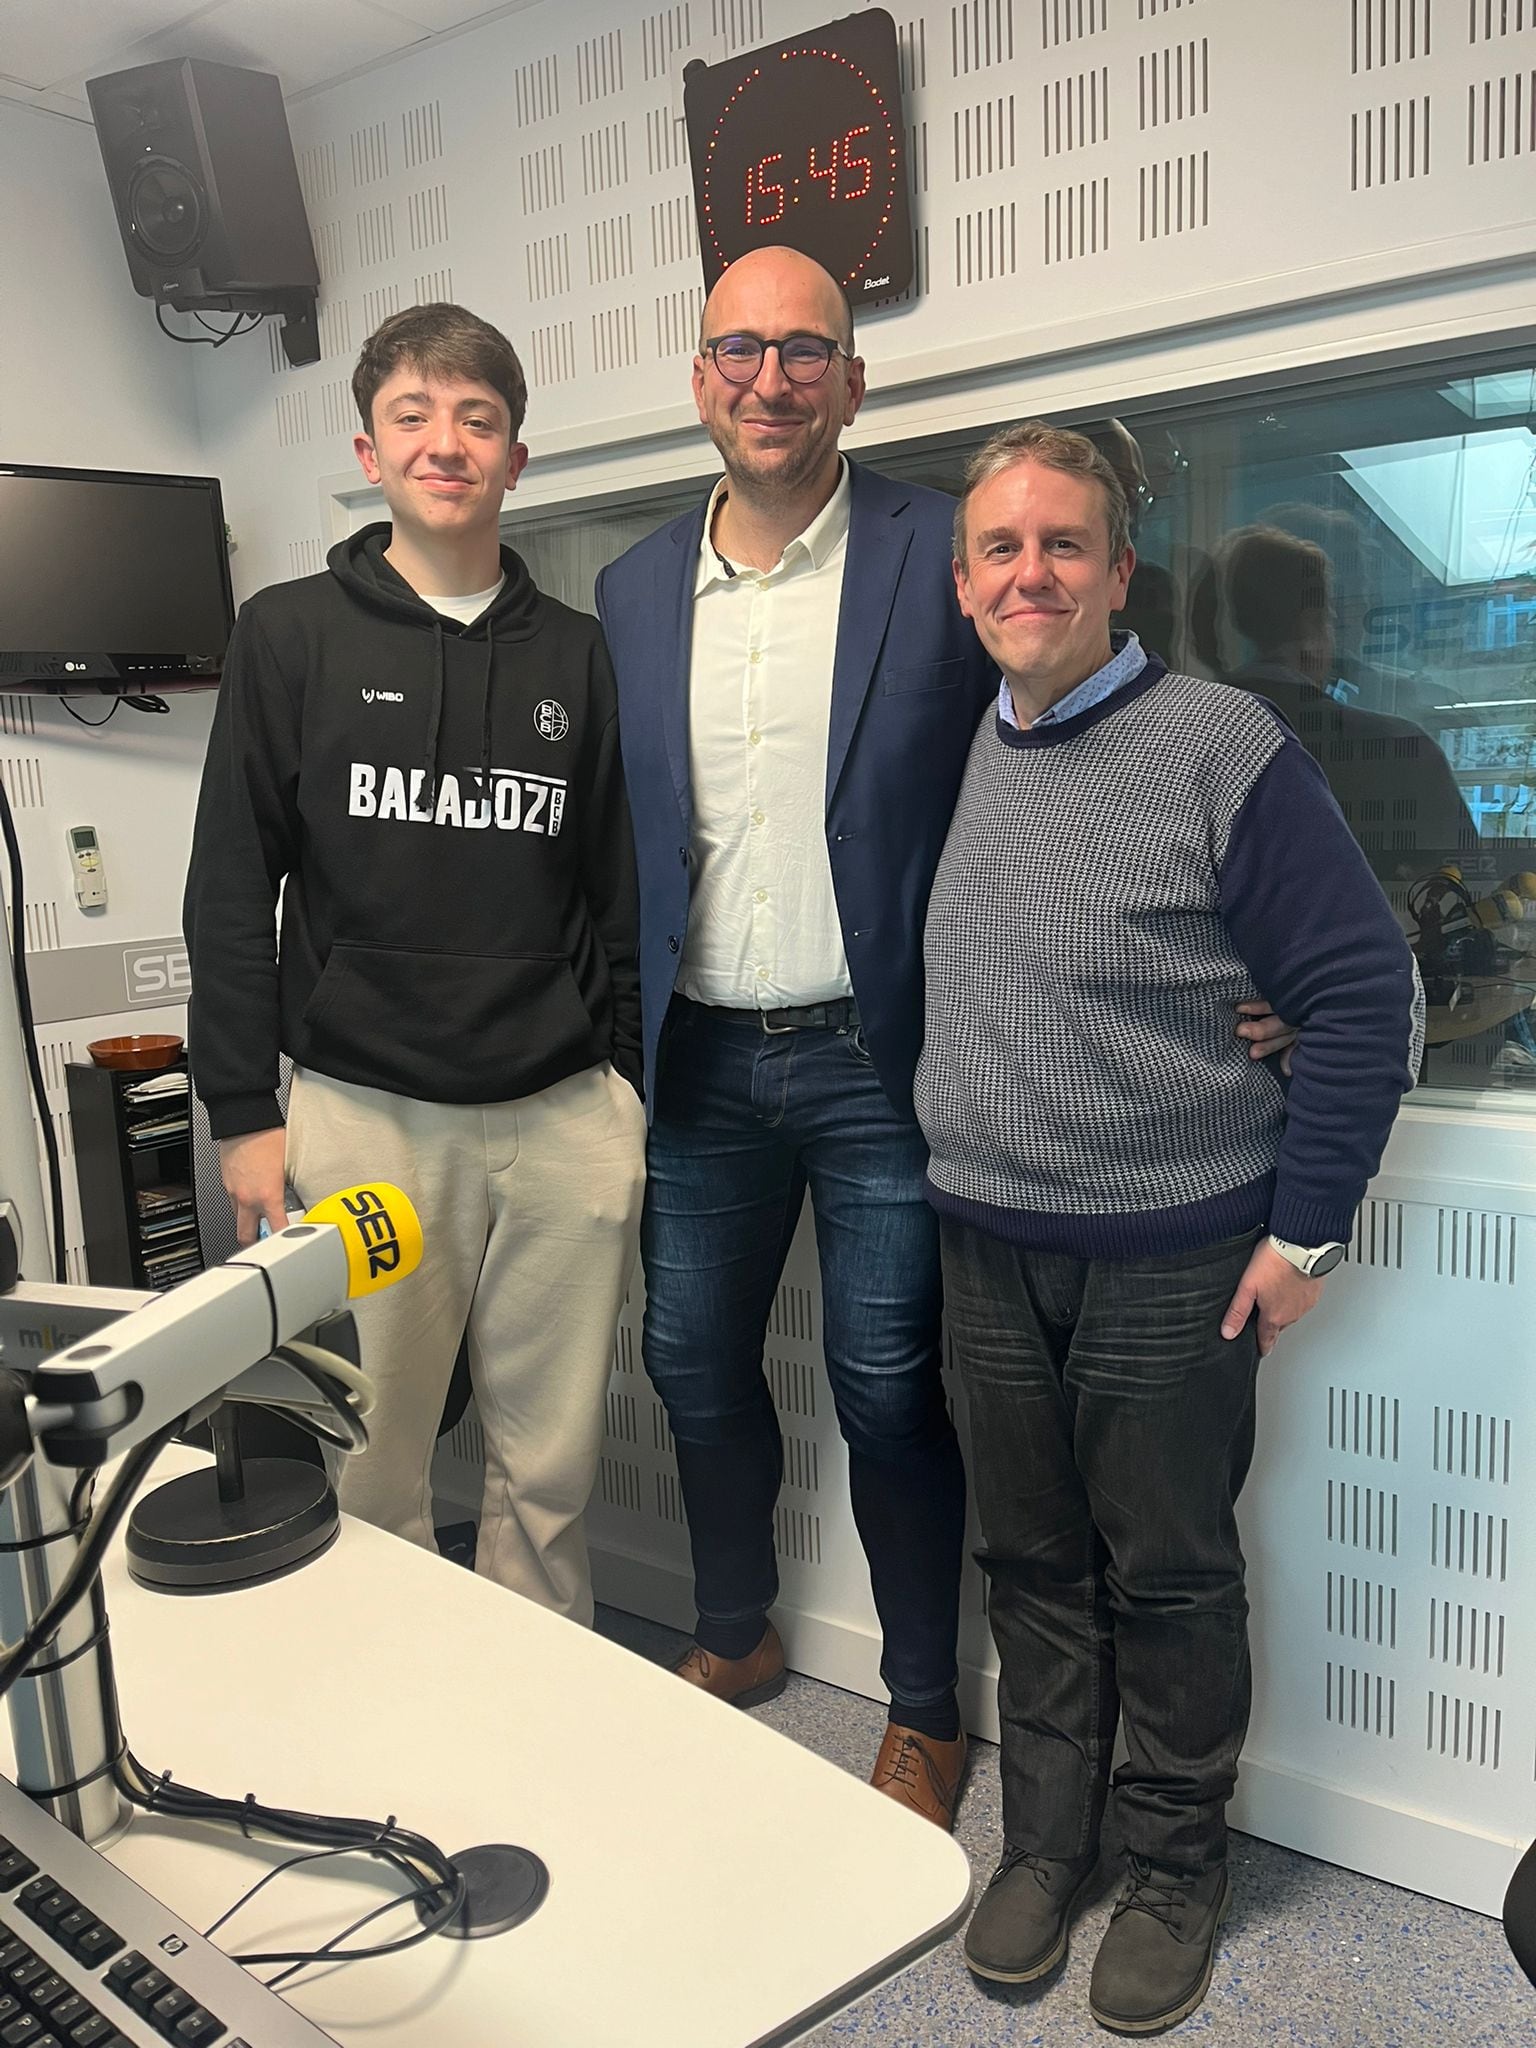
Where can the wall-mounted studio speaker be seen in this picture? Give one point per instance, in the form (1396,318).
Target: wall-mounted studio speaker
(201,169)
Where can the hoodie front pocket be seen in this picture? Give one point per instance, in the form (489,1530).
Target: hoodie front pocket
(452,1027)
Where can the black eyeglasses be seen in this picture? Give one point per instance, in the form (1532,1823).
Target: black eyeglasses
(804,358)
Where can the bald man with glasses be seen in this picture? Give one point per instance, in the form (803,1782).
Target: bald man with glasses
(797,688)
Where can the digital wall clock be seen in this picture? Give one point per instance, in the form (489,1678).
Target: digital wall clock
(802,143)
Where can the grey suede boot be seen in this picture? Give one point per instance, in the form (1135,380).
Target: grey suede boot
(1154,1964)
(1019,1931)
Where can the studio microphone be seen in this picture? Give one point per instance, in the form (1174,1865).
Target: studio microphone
(378,1234)
(132,1377)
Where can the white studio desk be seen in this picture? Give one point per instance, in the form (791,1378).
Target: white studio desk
(712,1884)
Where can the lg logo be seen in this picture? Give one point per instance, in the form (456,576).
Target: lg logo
(157,974)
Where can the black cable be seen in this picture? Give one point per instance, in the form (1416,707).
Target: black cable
(405,1851)
(332,1951)
(29,1030)
(93,722)
(280,1870)
(395,1845)
(254,321)
(77,1581)
(216,336)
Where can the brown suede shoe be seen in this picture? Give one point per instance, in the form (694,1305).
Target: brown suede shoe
(739,1681)
(920,1771)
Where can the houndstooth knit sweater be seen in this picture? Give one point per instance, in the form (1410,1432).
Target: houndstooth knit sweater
(1111,888)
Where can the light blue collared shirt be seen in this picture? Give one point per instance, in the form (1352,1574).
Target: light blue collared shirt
(1124,666)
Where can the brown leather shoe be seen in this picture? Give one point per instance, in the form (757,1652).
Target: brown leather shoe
(920,1771)
(739,1681)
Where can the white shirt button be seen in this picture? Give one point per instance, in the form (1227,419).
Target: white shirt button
(762,896)
(759,817)
(755,656)
(754,738)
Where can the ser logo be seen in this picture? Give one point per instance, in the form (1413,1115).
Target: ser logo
(380,1240)
(383,696)
(157,974)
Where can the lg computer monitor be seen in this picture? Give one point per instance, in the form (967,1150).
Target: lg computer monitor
(111,582)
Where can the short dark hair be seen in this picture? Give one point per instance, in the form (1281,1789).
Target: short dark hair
(1052,448)
(1272,580)
(441,341)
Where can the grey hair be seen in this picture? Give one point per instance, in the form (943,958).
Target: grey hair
(1052,448)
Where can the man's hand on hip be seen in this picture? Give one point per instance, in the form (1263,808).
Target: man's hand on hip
(252,1170)
(1266,1033)
(1280,1294)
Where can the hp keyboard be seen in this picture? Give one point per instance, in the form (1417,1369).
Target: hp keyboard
(89,1960)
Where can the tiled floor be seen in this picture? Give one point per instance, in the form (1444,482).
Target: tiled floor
(1310,1957)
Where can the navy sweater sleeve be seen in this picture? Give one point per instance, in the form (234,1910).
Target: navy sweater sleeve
(243,844)
(1321,941)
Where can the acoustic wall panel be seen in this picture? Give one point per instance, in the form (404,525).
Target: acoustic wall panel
(1394,1623)
(1074,165)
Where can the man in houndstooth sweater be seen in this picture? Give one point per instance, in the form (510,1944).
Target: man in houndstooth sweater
(1131,1209)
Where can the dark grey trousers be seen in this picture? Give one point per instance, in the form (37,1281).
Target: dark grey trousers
(1111,1430)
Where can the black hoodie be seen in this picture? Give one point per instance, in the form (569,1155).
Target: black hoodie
(447,806)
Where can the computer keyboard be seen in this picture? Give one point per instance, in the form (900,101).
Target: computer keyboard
(89,1960)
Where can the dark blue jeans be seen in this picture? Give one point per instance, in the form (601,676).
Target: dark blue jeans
(745,1121)
(1111,1432)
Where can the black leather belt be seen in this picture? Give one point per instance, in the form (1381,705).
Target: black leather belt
(841,1014)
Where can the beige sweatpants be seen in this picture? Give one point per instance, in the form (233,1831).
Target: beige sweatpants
(530,1217)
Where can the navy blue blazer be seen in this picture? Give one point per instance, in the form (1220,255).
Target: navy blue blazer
(909,684)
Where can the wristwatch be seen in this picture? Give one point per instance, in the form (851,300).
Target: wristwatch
(1312,1261)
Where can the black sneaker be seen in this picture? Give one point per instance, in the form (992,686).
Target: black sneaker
(1154,1964)
(1019,1931)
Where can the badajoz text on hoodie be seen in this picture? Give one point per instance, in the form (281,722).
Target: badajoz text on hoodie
(442,808)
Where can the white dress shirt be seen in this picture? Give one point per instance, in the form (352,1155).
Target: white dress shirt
(763,931)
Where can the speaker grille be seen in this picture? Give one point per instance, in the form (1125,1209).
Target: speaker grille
(165,209)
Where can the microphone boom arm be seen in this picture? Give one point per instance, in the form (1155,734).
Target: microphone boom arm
(120,1384)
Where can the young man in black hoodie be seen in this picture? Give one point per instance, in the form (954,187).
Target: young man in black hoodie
(421,753)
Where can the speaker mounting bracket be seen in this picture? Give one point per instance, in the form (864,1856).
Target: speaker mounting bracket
(301,328)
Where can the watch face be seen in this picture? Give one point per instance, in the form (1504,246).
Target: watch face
(1327,1260)
(802,143)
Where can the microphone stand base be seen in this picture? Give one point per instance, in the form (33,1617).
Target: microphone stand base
(183,1538)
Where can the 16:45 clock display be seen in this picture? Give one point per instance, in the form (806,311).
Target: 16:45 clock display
(802,143)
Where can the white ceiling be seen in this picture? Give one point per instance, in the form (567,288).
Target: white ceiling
(48,48)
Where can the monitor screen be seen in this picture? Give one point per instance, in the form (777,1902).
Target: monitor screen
(110,580)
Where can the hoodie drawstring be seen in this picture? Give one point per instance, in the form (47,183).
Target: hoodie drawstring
(485,717)
(435,711)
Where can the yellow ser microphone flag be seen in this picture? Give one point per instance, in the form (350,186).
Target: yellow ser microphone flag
(380,1230)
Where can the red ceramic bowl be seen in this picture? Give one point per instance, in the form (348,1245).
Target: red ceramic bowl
(141,1054)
